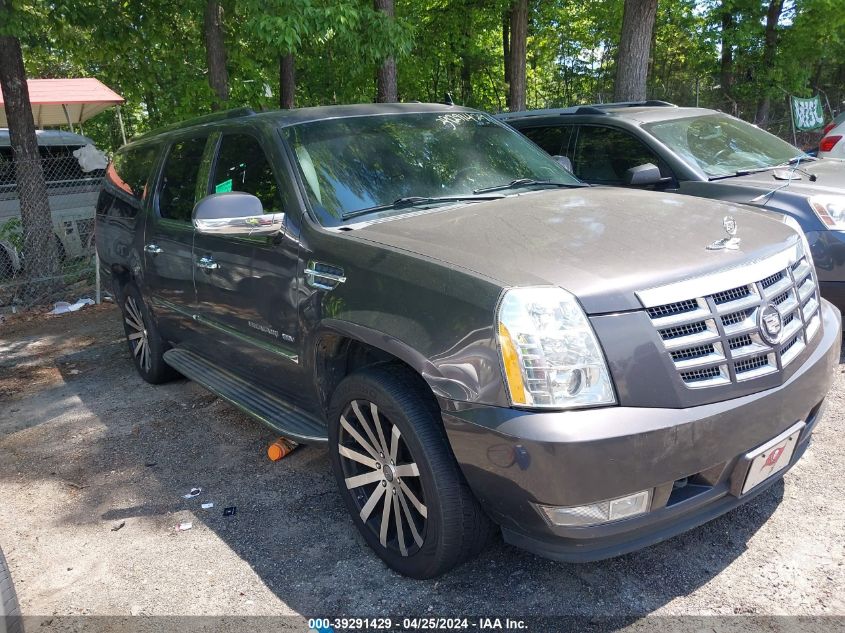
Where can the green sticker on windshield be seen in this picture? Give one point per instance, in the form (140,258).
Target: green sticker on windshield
(224,186)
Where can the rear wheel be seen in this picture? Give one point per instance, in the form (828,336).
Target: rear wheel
(397,474)
(145,342)
(10,617)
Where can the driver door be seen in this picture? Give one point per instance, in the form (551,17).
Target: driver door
(246,285)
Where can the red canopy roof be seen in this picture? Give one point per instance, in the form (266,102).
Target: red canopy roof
(50,98)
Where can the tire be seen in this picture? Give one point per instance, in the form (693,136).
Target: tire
(386,441)
(145,343)
(10,615)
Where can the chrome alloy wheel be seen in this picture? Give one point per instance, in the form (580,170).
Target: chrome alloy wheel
(382,477)
(138,338)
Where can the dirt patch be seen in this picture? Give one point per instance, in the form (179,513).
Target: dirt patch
(87,446)
(33,347)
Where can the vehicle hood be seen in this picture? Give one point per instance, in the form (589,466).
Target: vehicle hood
(601,244)
(829,173)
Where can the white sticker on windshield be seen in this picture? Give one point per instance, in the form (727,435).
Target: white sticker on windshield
(453,119)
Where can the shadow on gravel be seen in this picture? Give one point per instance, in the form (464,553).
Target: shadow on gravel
(291,527)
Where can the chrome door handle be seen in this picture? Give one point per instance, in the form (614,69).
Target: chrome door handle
(153,249)
(207,263)
(323,276)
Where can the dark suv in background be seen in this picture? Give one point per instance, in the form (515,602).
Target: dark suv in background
(477,336)
(700,152)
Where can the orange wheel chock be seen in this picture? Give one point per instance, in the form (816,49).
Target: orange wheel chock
(282,447)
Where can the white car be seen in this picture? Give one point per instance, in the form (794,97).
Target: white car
(72,193)
(832,144)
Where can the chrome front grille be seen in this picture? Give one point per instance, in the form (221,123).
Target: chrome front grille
(715,338)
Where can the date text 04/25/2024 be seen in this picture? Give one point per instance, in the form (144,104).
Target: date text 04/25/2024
(337,625)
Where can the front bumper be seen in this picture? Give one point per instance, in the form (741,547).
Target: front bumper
(516,459)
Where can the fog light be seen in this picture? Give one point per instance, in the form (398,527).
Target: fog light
(601,512)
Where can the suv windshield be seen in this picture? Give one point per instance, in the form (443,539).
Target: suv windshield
(721,145)
(387,163)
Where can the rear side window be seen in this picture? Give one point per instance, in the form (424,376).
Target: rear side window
(553,140)
(604,154)
(127,180)
(178,190)
(242,165)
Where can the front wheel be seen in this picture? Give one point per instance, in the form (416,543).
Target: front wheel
(397,474)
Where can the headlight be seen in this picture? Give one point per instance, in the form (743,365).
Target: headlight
(793,224)
(831,210)
(549,351)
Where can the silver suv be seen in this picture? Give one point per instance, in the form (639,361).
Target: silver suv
(656,145)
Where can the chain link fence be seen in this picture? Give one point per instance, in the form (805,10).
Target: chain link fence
(49,259)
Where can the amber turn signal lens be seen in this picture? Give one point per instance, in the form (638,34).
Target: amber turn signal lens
(513,371)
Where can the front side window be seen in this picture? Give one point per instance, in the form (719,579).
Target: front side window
(721,145)
(179,187)
(604,155)
(242,165)
(354,164)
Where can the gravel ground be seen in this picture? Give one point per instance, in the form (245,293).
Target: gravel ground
(94,463)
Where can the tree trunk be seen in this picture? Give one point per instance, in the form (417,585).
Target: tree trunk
(634,48)
(506,44)
(466,79)
(215,52)
(39,245)
(769,49)
(726,72)
(519,37)
(287,81)
(467,60)
(386,90)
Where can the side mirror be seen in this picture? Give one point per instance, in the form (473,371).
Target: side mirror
(235,213)
(643,175)
(564,162)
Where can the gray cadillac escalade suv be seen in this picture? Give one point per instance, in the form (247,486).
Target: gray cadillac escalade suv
(480,338)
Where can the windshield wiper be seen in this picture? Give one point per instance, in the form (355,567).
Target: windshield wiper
(526,182)
(792,163)
(412,201)
(755,170)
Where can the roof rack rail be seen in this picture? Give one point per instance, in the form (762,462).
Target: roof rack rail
(587,110)
(594,108)
(649,103)
(503,116)
(234,113)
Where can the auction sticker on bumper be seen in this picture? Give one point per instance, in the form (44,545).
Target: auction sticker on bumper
(772,457)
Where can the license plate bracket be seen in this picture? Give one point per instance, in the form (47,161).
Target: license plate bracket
(772,457)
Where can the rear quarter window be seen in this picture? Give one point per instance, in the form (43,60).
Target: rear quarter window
(127,182)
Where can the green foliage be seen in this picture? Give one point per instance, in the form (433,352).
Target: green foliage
(152,52)
(11,231)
